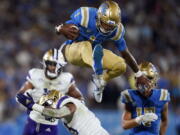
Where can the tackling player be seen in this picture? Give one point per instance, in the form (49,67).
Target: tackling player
(146,111)
(77,118)
(86,30)
(42,81)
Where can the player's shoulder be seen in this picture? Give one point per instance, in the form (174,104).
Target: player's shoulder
(83,10)
(162,94)
(83,14)
(118,33)
(127,95)
(35,72)
(66,77)
(64,100)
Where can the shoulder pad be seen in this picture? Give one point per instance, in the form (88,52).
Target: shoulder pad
(68,77)
(164,95)
(126,97)
(33,73)
(119,32)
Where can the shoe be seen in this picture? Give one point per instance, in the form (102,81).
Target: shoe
(99,83)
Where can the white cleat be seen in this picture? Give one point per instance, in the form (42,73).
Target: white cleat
(99,83)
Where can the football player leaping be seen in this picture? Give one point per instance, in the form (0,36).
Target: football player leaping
(41,82)
(146,111)
(87,29)
(77,118)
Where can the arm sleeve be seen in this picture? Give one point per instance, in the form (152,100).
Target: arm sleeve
(30,77)
(121,44)
(51,112)
(70,80)
(164,95)
(126,97)
(118,38)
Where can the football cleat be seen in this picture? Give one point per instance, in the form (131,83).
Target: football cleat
(99,83)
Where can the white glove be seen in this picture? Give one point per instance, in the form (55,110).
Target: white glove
(146,118)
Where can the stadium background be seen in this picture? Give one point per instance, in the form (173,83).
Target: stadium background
(27,31)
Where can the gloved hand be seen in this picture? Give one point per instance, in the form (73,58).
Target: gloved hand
(27,101)
(146,118)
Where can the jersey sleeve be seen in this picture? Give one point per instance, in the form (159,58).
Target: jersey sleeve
(69,80)
(80,17)
(164,95)
(31,76)
(118,38)
(126,97)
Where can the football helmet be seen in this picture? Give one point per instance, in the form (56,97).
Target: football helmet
(53,61)
(151,72)
(51,98)
(109,16)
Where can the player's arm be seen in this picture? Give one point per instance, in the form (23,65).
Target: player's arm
(70,31)
(127,121)
(75,92)
(70,28)
(62,112)
(25,87)
(164,120)
(141,80)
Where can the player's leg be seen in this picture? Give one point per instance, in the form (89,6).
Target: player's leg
(79,54)
(30,127)
(48,130)
(113,64)
(98,69)
(109,67)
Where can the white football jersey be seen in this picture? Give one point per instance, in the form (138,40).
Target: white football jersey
(42,85)
(84,122)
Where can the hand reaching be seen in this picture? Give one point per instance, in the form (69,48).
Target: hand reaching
(27,101)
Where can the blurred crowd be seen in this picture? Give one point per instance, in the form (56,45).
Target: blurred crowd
(27,31)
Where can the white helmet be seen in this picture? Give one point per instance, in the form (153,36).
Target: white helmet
(55,58)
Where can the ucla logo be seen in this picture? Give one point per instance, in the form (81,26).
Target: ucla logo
(92,38)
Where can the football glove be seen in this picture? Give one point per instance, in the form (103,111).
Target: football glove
(27,101)
(146,118)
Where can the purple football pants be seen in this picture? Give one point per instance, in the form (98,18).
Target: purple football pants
(33,128)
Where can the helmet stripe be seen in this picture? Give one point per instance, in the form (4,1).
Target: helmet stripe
(55,53)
